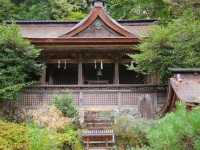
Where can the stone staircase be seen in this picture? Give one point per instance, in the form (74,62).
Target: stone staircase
(98,133)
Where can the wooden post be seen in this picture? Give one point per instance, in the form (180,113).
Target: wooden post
(116,74)
(43,76)
(80,71)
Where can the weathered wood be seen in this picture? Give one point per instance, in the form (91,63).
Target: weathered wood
(116,74)
(43,76)
(90,95)
(147,106)
(80,73)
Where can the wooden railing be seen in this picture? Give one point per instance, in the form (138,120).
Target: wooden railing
(87,95)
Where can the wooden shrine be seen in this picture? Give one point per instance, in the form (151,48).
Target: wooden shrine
(89,59)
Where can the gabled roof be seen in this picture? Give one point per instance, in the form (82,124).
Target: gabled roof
(124,32)
(55,29)
(98,13)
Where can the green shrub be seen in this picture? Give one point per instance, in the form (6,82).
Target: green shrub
(130,133)
(65,103)
(48,139)
(177,131)
(43,139)
(13,136)
(72,138)
(31,137)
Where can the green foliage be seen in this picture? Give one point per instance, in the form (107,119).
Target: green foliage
(130,132)
(65,103)
(176,45)
(18,65)
(177,131)
(43,138)
(76,9)
(7,10)
(42,10)
(72,137)
(164,10)
(76,16)
(60,9)
(30,137)
(13,136)
(178,7)
(33,11)
(138,9)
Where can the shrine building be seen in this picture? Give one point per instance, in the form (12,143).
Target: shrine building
(89,59)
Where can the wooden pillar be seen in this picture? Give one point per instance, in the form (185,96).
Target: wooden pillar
(43,76)
(116,74)
(80,72)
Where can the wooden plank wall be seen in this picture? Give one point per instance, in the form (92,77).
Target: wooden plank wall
(87,96)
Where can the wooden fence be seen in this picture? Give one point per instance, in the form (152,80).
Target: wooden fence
(112,95)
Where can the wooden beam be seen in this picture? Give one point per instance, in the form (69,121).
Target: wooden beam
(84,41)
(87,60)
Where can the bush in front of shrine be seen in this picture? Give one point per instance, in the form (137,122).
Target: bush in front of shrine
(13,136)
(178,130)
(30,136)
(130,133)
(65,103)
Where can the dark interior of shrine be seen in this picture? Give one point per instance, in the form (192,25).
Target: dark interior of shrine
(99,74)
(62,75)
(67,74)
(129,76)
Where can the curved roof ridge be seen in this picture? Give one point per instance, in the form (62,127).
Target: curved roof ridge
(99,11)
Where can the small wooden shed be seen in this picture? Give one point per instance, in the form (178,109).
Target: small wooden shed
(184,86)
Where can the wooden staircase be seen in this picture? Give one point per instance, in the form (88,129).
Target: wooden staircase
(98,134)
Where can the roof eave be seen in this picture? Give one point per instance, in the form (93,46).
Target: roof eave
(184,70)
(84,41)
